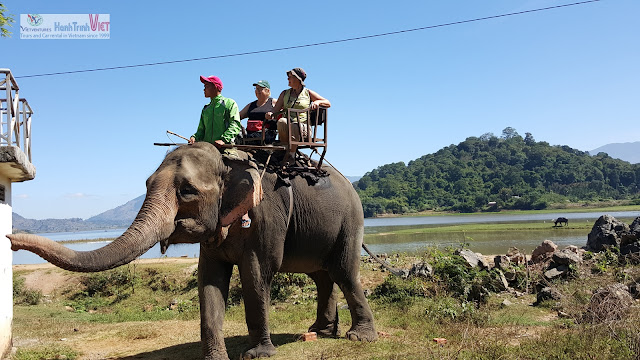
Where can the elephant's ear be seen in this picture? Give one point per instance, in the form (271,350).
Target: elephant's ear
(242,191)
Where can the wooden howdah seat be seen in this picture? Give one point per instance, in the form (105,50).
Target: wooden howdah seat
(316,136)
(315,139)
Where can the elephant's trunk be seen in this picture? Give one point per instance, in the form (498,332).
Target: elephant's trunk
(153,223)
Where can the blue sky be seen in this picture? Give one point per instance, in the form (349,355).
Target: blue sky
(569,76)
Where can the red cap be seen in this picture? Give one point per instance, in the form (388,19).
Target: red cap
(213,80)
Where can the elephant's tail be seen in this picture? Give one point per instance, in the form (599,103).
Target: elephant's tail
(386,265)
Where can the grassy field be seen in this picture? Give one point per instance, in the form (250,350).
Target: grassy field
(511,226)
(149,310)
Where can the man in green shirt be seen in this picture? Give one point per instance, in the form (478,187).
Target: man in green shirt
(220,120)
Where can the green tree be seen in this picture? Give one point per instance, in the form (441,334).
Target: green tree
(528,139)
(5,21)
(509,133)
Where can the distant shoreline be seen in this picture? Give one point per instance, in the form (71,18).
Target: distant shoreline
(575,208)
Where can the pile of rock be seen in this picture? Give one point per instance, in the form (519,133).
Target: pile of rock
(608,232)
(504,267)
(558,263)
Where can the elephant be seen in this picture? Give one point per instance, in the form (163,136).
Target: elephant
(198,196)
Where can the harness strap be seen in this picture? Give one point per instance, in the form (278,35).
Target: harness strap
(290,205)
(265,167)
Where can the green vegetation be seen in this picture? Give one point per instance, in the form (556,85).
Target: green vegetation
(6,20)
(24,296)
(488,173)
(46,352)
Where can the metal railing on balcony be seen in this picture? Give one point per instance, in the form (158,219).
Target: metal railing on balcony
(15,115)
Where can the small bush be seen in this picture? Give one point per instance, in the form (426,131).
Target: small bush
(164,283)
(104,288)
(24,296)
(449,309)
(605,260)
(192,282)
(18,285)
(285,284)
(461,281)
(185,306)
(395,290)
(109,283)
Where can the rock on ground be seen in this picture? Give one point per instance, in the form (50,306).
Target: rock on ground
(543,251)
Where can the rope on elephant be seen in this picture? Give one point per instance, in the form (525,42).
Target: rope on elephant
(384,264)
(265,166)
(334,168)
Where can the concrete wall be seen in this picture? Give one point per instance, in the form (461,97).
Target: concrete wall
(6,272)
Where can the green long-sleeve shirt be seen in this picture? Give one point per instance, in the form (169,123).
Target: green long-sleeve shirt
(219,120)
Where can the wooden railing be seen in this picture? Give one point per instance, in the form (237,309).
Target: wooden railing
(15,115)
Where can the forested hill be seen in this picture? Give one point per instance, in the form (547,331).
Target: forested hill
(492,173)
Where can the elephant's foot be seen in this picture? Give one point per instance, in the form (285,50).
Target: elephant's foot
(260,350)
(217,356)
(362,333)
(329,330)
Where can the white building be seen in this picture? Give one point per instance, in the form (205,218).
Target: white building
(15,166)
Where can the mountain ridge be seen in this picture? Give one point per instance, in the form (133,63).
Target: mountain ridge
(629,151)
(119,217)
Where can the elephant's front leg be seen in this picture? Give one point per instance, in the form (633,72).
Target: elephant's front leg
(213,288)
(256,290)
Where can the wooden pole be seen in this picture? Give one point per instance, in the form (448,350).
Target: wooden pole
(180,136)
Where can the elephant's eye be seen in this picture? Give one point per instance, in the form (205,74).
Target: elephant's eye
(187,192)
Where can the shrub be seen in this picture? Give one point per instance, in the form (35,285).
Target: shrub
(184,306)
(402,292)
(444,309)
(284,285)
(103,288)
(162,282)
(24,296)
(606,259)
(456,275)
(109,283)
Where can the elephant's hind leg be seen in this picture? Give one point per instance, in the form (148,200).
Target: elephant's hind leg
(327,317)
(362,328)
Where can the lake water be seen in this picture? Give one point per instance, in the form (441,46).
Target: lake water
(486,242)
